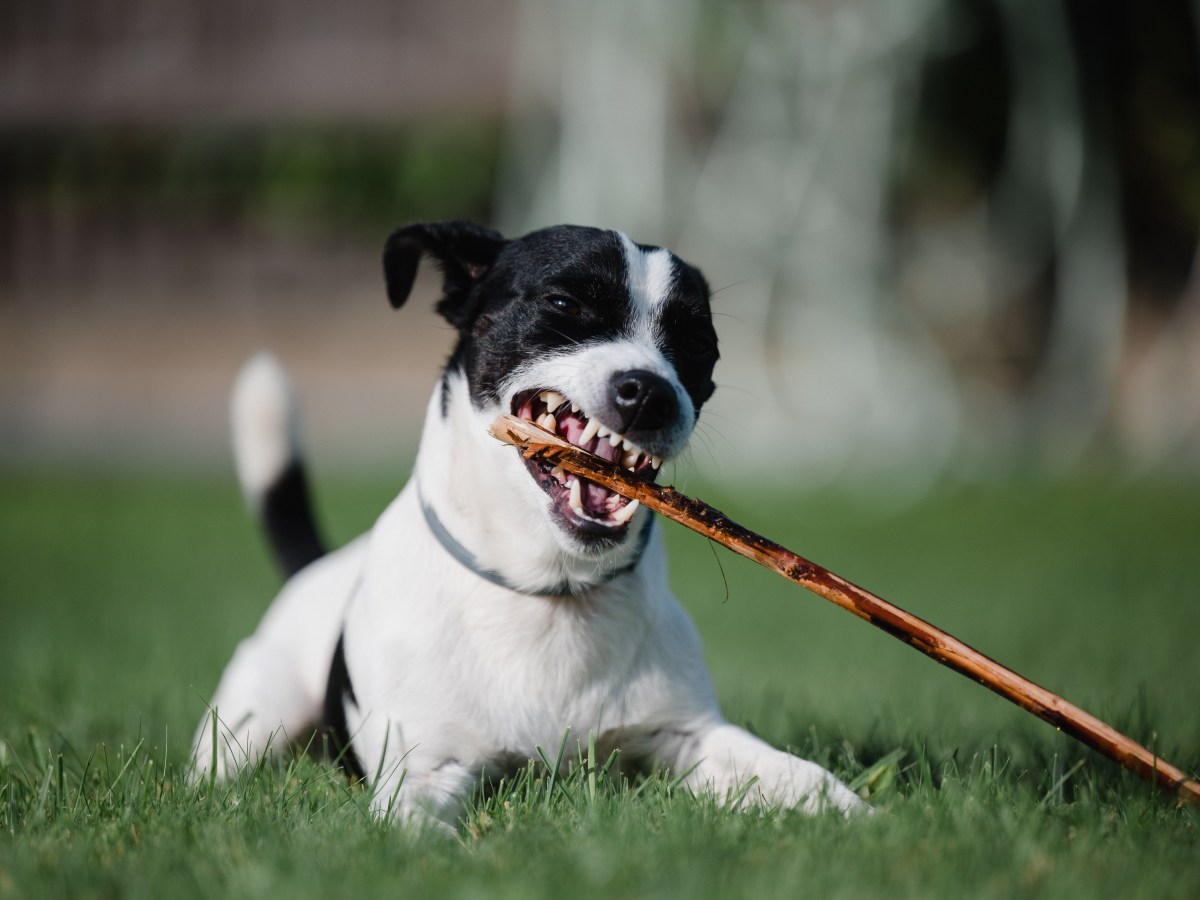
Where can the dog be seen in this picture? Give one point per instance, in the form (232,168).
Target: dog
(499,604)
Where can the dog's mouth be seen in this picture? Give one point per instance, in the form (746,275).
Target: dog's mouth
(583,506)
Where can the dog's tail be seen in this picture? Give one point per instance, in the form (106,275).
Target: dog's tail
(266,450)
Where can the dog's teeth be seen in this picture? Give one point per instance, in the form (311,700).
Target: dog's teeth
(575,407)
(576,496)
(614,439)
(590,430)
(625,513)
(629,460)
(603,432)
(656,462)
(548,422)
(627,445)
(559,473)
(553,399)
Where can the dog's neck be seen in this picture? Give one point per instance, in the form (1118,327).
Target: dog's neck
(483,497)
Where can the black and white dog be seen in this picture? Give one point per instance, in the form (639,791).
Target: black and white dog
(498,603)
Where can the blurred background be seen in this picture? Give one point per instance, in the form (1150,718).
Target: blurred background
(953,246)
(948,238)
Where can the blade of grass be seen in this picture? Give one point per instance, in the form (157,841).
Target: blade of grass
(1055,790)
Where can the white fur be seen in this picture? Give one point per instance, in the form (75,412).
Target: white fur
(650,276)
(454,675)
(265,424)
(274,686)
(486,499)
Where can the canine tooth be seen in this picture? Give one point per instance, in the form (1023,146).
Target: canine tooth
(625,513)
(656,462)
(574,407)
(548,422)
(576,496)
(590,430)
(552,399)
(629,460)
(614,439)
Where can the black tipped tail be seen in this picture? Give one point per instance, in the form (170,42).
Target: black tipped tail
(287,516)
(266,450)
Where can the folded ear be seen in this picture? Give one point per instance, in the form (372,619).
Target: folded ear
(463,251)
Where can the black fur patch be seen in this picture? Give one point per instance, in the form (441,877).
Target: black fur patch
(501,297)
(516,318)
(287,516)
(338,692)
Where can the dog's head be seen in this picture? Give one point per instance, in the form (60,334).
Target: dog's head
(607,342)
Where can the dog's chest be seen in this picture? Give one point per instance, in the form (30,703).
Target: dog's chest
(489,671)
(468,669)
(544,665)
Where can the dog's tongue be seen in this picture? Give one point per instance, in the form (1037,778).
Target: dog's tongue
(597,500)
(605,450)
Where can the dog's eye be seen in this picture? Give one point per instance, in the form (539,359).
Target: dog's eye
(565,305)
(698,346)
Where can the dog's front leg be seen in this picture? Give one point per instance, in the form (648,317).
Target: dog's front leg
(416,785)
(420,797)
(259,706)
(729,762)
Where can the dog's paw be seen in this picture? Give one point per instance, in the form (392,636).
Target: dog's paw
(788,782)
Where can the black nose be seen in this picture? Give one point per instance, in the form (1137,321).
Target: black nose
(643,401)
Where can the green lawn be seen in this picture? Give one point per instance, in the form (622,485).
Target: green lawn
(121,598)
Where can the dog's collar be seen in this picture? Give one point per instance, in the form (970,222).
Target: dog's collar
(468,561)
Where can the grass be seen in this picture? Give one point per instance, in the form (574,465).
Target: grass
(121,598)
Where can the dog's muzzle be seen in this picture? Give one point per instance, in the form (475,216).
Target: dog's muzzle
(641,403)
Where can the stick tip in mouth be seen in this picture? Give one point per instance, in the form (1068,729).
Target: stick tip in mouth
(583,507)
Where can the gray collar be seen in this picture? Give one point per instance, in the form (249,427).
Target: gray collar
(468,561)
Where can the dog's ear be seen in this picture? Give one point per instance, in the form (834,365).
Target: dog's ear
(463,251)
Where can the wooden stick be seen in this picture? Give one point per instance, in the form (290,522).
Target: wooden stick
(535,442)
